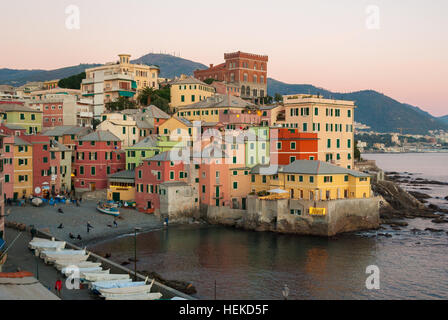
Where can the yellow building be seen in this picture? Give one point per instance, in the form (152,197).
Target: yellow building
(121,186)
(23,168)
(51,84)
(23,116)
(312,180)
(332,120)
(188,90)
(220,108)
(176,129)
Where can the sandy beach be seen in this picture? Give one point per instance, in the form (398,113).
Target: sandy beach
(74,220)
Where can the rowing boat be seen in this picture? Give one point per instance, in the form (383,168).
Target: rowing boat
(145,296)
(93,277)
(108,209)
(48,245)
(65,259)
(126,290)
(60,253)
(111,284)
(79,264)
(71,269)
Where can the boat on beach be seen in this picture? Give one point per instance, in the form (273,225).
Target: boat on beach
(93,277)
(108,208)
(143,288)
(47,245)
(71,269)
(111,284)
(80,264)
(66,259)
(144,296)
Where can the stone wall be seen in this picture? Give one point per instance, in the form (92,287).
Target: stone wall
(292,216)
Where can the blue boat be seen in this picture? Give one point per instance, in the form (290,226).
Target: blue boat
(108,209)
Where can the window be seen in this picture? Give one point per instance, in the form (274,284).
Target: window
(252,178)
(293,146)
(292,159)
(279,146)
(264,179)
(346,178)
(139,174)
(92,171)
(329,143)
(182,98)
(311,179)
(171,175)
(81,170)
(22,116)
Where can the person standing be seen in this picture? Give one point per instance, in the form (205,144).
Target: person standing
(115,223)
(58,287)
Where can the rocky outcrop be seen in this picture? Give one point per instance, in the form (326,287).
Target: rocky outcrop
(398,203)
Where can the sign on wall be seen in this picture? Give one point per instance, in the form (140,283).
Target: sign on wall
(318,211)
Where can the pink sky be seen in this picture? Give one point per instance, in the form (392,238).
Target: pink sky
(324,43)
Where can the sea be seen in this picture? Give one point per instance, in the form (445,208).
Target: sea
(227,263)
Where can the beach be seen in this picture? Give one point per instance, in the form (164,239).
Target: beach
(74,220)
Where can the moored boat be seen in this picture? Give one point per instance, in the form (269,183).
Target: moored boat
(145,296)
(108,209)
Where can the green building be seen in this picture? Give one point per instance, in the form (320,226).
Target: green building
(19,115)
(257,152)
(147,148)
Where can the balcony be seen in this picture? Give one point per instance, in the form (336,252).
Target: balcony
(218,196)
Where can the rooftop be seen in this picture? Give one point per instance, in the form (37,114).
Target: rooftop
(100,135)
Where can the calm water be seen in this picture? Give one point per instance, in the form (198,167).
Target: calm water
(256,265)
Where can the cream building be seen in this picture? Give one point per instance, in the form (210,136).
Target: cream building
(117,79)
(332,120)
(187,90)
(126,130)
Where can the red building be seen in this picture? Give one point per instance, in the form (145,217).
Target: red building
(2,197)
(247,71)
(98,154)
(150,174)
(45,166)
(288,145)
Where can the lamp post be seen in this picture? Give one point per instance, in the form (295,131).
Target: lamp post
(135,252)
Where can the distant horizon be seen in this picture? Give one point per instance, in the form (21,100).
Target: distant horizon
(392,47)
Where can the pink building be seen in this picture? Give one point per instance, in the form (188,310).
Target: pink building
(150,174)
(2,198)
(98,155)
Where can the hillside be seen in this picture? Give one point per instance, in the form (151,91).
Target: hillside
(380,112)
(170,66)
(19,77)
(444,119)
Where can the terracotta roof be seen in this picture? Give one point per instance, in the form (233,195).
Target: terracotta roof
(100,135)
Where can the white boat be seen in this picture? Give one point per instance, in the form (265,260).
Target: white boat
(37,239)
(127,290)
(108,209)
(60,253)
(37,202)
(70,270)
(65,259)
(145,296)
(47,245)
(92,277)
(110,284)
(80,264)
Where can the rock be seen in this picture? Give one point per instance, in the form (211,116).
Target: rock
(446,198)
(124,263)
(434,207)
(433,230)
(439,220)
(396,228)
(182,286)
(415,230)
(388,235)
(419,195)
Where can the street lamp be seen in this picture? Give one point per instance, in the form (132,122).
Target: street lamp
(135,252)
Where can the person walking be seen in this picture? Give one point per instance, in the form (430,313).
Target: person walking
(89,226)
(58,287)
(115,223)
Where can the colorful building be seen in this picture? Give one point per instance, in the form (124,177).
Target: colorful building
(150,174)
(313,180)
(56,111)
(23,168)
(20,115)
(147,148)
(258,149)
(98,155)
(245,70)
(187,90)
(288,145)
(222,108)
(332,121)
(121,186)
(8,165)
(117,79)
(2,190)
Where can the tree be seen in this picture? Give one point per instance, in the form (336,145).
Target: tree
(95,123)
(72,82)
(159,98)
(120,104)
(268,99)
(278,97)
(209,81)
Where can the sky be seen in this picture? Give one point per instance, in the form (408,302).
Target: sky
(396,47)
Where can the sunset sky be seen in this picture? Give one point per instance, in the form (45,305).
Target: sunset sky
(323,42)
